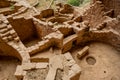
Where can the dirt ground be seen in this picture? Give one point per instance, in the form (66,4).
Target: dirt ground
(101,63)
(7,68)
(39,74)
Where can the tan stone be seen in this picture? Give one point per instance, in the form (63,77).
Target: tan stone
(28,66)
(68,56)
(25,31)
(41,65)
(83,52)
(3,30)
(68,42)
(16,39)
(19,72)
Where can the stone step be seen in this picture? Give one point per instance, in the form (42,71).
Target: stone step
(9,27)
(16,39)
(10,38)
(5,34)
(12,32)
(3,31)
(5,39)
(2,26)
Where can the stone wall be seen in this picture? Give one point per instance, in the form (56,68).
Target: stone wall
(5,3)
(112,4)
(24,27)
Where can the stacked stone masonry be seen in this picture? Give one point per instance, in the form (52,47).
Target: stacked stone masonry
(55,33)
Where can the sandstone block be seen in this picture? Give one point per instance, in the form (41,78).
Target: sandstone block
(83,52)
(19,72)
(68,56)
(28,66)
(41,65)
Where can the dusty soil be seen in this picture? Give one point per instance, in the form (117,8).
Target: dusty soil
(39,74)
(101,63)
(59,75)
(7,68)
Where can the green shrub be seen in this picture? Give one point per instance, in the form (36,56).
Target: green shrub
(74,2)
(78,2)
(12,7)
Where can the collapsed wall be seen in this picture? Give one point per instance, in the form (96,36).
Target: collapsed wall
(111,5)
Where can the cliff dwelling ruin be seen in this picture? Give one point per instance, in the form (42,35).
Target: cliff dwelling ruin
(61,43)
